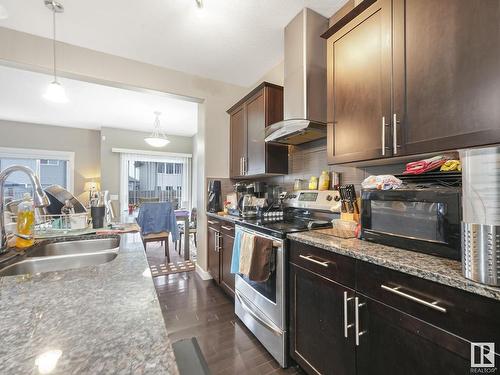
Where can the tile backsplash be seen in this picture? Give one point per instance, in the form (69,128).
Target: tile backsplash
(310,159)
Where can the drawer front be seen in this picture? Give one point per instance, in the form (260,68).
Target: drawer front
(333,266)
(213,223)
(227,228)
(445,307)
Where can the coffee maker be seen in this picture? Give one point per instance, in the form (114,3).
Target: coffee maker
(214,196)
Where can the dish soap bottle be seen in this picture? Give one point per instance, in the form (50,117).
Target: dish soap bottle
(25,222)
(324,181)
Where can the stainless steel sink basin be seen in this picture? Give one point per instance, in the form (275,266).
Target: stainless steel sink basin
(58,263)
(75,247)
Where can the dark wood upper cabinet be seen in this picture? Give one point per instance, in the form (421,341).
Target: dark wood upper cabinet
(431,69)
(250,155)
(359,86)
(238,139)
(446,74)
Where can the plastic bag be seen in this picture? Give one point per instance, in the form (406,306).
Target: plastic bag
(382,182)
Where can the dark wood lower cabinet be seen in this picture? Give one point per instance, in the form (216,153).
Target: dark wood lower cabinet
(394,342)
(397,333)
(213,253)
(220,238)
(226,255)
(317,338)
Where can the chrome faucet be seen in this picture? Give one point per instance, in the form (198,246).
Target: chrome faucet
(39,197)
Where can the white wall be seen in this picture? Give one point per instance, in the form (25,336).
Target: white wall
(35,53)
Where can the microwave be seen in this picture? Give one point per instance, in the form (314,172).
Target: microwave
(423,218)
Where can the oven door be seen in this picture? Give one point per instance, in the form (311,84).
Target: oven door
(427,221)
(267,297)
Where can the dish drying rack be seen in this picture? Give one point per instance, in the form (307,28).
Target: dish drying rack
(47,226)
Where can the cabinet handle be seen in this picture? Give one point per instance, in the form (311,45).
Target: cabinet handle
(241,166)
(357,305)
(433,305)
(395,133)
(219,242)
(244,165)
(211,222)
(226,228)
(346,324)
(383,135)
(311,259)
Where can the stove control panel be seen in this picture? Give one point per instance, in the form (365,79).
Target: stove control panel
(326,200)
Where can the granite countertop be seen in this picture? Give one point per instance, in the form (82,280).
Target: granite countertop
(230,218)
(429,267)
(103,319)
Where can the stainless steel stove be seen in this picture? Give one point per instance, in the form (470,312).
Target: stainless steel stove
(262,307)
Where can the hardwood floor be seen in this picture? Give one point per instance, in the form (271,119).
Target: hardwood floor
(195,308)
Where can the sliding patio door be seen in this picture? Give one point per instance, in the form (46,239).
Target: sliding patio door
(155,178)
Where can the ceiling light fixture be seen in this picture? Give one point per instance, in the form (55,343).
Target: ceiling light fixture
(158,137)
(3,13)
(55,92)
(199,3)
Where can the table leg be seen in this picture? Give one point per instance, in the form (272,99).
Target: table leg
(186,238)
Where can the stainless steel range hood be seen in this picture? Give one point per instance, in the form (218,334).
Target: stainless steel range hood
(305,82)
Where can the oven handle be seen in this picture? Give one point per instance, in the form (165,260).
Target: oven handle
(277,242)
(272,327)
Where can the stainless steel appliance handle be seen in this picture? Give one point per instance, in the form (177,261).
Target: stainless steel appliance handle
(311,259)
(383,135)
(346,324)
(433,305)
(268,325)
(395,133)
(226,228)
(358,333)
(277,242)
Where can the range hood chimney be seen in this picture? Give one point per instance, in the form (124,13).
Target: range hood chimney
(305,82)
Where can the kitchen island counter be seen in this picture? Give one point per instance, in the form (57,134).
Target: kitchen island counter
(103,319)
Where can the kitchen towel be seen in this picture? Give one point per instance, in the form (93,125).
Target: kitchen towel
(246,252)
(235,261)
(260,266)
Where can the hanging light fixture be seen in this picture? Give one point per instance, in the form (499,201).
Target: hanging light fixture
(158,137)
(55,92)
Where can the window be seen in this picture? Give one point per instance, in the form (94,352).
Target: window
(161,168)
(178,168)
(57,169)
(169,168)
(49,162)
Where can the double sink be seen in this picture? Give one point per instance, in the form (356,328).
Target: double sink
(58,256)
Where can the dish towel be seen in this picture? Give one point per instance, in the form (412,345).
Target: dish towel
(235,260)
(260,266)
(246,253)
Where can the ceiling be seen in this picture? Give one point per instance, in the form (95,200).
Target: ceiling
(235,41)
(91,106)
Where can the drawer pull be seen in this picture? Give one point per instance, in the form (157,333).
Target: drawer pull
(433,305)
(211,222)
(346,324)
(311,259)
(226,228)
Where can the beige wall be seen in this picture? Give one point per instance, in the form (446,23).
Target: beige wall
(276,75)
(34,53)
(84,143)
(118,138)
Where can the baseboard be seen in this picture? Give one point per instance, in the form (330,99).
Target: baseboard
(202,273)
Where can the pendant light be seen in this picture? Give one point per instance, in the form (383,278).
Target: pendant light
(55,92)
(158,137)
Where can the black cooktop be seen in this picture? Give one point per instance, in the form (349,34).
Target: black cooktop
(280,228)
